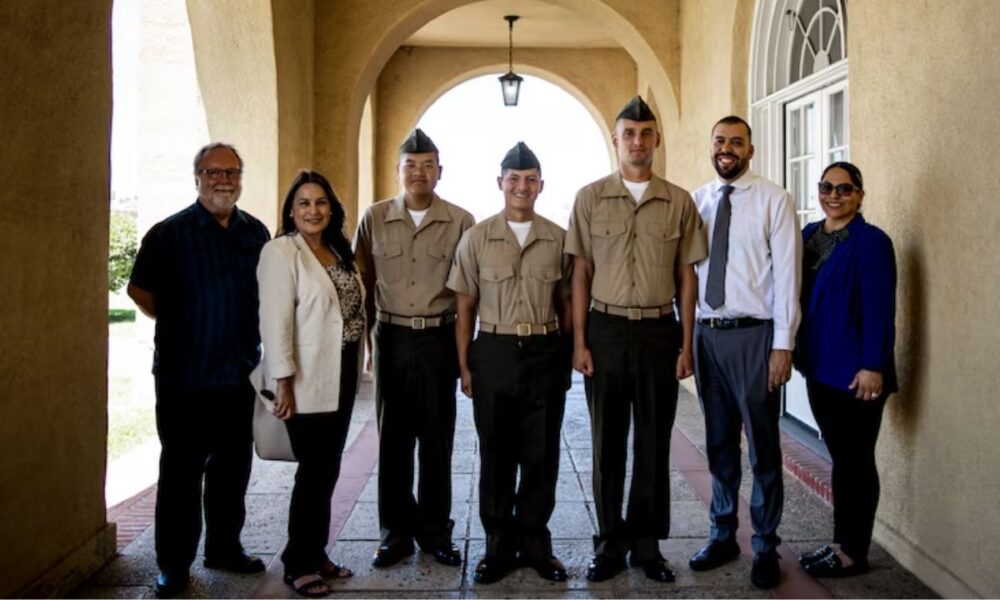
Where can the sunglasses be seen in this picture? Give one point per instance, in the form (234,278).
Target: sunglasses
(843,189)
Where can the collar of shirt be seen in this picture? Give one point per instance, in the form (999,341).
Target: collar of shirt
(435,212)
(203,217)
(614,188)
(742,183)
(499,230)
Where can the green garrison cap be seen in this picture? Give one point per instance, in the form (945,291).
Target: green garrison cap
(521,158)
(636,110)
(417,143)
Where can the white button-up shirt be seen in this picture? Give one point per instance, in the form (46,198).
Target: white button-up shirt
(763,275)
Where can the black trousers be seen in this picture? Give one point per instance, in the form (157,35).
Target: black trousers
(731,370)
(318,443)
(519,397)
(850,428)
(415,375)
(634,379)
(205,434)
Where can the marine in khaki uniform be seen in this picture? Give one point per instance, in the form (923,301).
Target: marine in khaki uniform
(404,248)
(632,236)
(512,271)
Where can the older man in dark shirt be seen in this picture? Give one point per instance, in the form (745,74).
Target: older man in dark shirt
(195,274)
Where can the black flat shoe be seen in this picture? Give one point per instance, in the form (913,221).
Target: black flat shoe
(818,553)
(714,555)
(448,555)
(550,569)
(656,570)
(491,569)
(603,568)
(386,556)
(169,585)
(237,563)
(765,573)
(830,566)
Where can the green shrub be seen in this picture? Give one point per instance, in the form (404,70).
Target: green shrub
(121,315)
(122,249)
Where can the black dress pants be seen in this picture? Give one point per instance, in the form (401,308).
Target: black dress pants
(318,444)
(634,379)
(850,428)
(205,434)
(415,376)
(519,398)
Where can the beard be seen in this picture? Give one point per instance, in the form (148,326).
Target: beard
(731,172)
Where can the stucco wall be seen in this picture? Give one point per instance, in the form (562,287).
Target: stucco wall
(55,107)
(924,85)
(602,79)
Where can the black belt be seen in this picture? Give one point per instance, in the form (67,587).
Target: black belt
(736,323)
(416,323)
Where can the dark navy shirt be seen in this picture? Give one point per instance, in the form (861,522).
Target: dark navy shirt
(204,284)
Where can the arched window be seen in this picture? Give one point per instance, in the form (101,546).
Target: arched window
(798,90)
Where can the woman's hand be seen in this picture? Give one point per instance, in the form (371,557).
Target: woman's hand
(867,385)
(284,403)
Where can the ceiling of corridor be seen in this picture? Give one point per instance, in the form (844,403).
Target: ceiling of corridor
(542,25)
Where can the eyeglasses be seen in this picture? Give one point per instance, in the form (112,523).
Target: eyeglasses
(218,173)
(843,189)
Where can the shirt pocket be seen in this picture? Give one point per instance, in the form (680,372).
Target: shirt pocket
(388,261)
(542,283)
(608,240)
(659,242)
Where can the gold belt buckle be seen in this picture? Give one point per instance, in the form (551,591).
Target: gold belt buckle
(634,314)
(418,323)
(523,329)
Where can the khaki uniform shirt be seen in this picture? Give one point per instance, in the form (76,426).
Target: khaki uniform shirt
(635,247)
(512,284)
(405,265)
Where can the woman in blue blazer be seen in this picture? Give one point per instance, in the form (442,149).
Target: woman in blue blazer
(845,351)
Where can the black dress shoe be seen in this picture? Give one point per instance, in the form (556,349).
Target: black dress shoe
(655,569)
(603,568)
(386,556)
(765,573)
(550,568)
(448,555)
(715,554)
(491,569)
(818,553)
(169,585)
(237,563)
(831,566)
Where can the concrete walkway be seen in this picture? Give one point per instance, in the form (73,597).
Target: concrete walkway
(807,523)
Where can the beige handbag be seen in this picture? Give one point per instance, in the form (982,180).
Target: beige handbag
(270,436)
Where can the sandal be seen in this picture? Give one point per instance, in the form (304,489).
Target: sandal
(309,585)
(334,570)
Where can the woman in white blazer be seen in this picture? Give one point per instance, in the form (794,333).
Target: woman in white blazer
(312,325)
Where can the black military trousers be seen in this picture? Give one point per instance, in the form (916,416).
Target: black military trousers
(415,376)
(205,435)
(634,380)
(519,397)
(318,443)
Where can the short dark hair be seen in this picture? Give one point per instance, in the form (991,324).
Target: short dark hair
(852,171)
(333,235)
(735,120)
(215,146)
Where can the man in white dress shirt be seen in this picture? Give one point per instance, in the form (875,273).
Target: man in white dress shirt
(747,316)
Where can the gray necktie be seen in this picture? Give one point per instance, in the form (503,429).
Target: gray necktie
(715,289)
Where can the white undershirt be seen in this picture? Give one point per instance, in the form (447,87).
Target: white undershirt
(417,215)
(520,230)
(636,188)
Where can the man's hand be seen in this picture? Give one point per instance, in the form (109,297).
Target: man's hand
(467,382)
(867,385)
(284,403)
(779,369)
(583,361)
(685,364)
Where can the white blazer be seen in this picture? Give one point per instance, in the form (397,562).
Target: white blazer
(301,325)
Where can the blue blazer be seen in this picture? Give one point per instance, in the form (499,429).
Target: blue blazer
(849,310)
